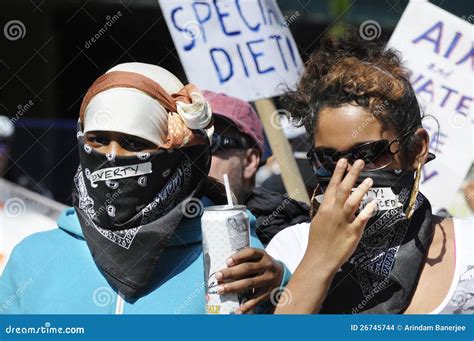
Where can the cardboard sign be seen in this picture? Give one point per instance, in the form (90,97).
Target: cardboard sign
(437,47)
(242,48)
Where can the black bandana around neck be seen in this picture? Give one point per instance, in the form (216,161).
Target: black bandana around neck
(382,274)
(129,207)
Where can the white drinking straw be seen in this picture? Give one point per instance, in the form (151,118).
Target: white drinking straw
(227,191)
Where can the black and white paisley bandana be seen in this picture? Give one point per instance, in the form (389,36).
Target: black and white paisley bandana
(129,207)
(382,274)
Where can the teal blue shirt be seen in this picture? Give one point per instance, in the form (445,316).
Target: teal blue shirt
(54,272)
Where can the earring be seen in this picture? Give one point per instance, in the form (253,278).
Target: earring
(414,192)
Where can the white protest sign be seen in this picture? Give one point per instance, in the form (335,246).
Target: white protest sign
(437,48)
(242,48)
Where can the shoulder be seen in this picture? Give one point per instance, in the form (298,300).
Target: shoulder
(40,246)
(42,239)
(289,245)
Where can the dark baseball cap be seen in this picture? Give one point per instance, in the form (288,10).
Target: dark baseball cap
(240,113)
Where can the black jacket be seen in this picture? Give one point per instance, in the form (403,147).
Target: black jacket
(274,212)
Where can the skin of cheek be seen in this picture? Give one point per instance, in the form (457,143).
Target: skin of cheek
(114,147)
(343,127)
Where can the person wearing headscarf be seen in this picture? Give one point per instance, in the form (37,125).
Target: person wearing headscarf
(132,242)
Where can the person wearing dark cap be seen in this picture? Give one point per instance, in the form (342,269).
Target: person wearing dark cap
(132,243)
(237,149)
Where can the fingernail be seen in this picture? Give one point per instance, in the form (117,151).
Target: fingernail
(359,164)
(238,312)
(219,275)
(341,162)
(369,182)
(229,261)
(220,289)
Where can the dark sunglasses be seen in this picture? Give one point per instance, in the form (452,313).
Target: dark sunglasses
(376,155)
(224,142)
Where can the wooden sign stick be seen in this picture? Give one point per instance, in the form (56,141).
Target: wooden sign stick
(281,148)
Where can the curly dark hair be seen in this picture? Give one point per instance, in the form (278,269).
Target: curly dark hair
(350,70)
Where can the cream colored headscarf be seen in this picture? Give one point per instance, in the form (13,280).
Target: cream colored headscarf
(147,101)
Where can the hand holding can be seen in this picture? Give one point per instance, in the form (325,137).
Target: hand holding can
(225,230)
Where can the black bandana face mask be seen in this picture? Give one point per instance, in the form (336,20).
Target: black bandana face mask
(130,206)
(382,274)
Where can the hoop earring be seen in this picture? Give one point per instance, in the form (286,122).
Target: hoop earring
(414,192)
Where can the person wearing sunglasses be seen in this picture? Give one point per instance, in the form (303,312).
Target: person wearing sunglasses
(237,149)
(132,243)
(373,244)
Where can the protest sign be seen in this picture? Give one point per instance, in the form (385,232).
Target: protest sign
(243,49)
(437,48)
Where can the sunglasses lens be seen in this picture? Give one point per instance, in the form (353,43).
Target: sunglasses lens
(222,143)
(376,155)
(322,161)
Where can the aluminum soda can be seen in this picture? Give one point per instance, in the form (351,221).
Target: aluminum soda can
(225,230)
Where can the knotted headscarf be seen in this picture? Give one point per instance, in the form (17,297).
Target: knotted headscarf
(130,206)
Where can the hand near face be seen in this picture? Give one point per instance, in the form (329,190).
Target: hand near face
(250,269)
(335,229)
(334,234)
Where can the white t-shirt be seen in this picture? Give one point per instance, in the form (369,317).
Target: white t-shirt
(289,246)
